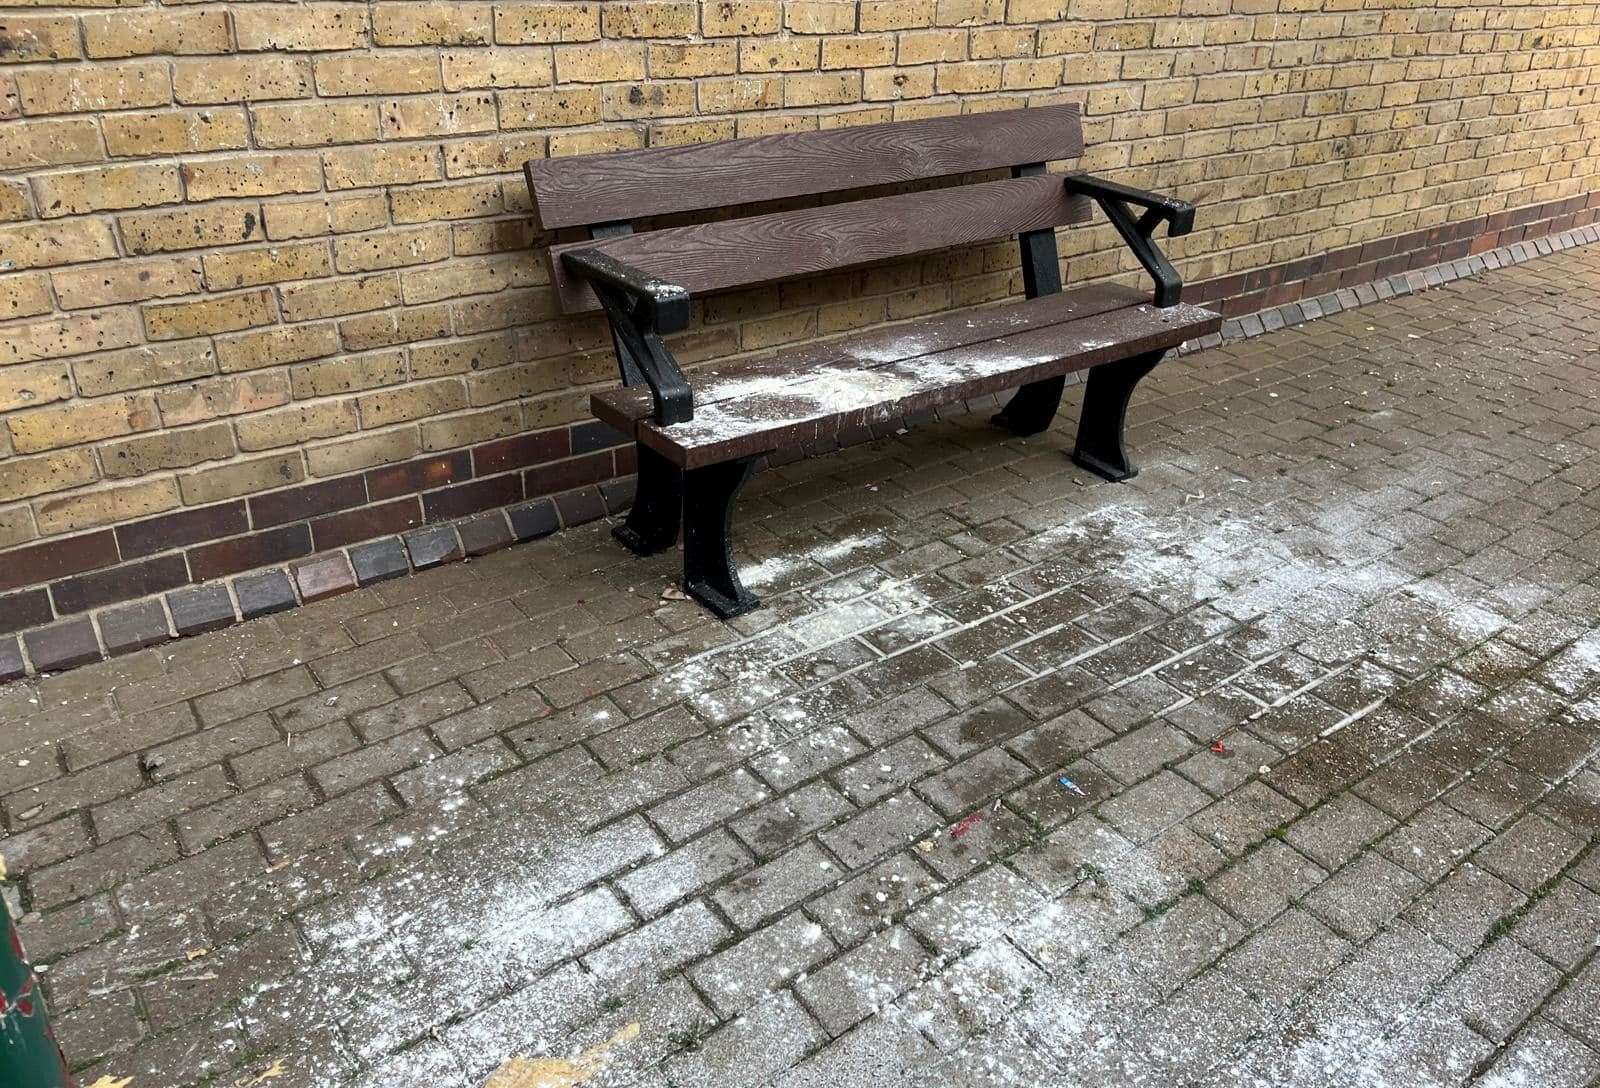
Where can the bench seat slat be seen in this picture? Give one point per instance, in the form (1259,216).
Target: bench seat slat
(623,406)
(585,189)
(766,248)
(752,415)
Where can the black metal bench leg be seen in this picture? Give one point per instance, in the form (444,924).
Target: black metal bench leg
(1031,408)
(709,575)
(1100,447)
(652,524)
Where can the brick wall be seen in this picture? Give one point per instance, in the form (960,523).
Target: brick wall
(269,286)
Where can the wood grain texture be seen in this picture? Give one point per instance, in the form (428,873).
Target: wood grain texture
(803,408)
(586,189)
(624,406)
(763,248)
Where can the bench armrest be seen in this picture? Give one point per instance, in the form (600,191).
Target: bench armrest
(640,308)
(1115,200)
(666,305)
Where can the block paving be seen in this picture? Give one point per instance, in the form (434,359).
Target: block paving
(1275,766)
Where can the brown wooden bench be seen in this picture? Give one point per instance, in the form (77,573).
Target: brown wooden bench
(698,435)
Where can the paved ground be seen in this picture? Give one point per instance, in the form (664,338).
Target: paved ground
(949,810)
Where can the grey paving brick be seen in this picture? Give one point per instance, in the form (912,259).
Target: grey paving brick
(776,886)
(344,773)
(747,972)
(766,1041)
(888,825)
(873,899)
(660,946)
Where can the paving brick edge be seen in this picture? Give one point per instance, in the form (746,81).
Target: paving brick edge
(210,606)
(1288,314)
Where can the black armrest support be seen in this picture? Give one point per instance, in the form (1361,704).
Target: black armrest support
(1115,200)
(666,305)
(641,308)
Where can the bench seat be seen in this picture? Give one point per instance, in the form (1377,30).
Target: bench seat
(753,406)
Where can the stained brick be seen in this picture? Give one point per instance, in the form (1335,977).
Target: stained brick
(382,519)
(134,627)
(379,561)
(520,451)
(121,583)
(309,501)
(413,476)
(142,538)
(244,553)
(62,645)
(469,498)
(42,562)
(263,594)
(200,609)
(29,609)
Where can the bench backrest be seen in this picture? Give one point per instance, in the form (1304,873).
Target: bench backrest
(603,191)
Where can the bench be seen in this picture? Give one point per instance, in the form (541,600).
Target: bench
(698,435)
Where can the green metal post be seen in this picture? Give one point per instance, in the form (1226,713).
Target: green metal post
(29,1056)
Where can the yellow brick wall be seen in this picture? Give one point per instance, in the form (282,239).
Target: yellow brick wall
(248,244)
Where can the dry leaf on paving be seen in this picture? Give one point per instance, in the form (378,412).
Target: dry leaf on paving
(111,1082)
(559,1072)
(271,1072)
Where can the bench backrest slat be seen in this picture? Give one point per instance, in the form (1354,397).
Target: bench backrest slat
(765,248)
(586,189)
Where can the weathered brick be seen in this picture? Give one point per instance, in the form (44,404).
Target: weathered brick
(31,386)
(314,218)
(304,302)
(227,313)
(516,66)
(296,424)
(301,27)
(253,267)
(148,33)
(126,281)
(110,506)
(252,175)
(240,79)
(105,188)
(432,24)
(546,108)
(378,74)
(366,166)
(599,63)
(314,124)
(391,249)
(276,346)
(35,38)
(348,374)
(46,245)
(25,295)
(649,19)
(28,476)
(82,421)
(160,232)
(196,402)
(242,478)
(175,131)
(337,458)
(51,142)
(169,449)
(555,21)
(75,89)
